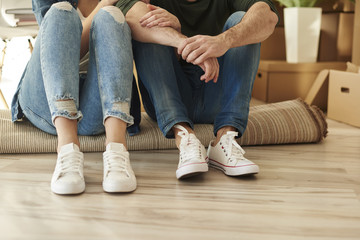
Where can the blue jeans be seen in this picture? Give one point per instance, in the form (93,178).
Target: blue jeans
(173,92)
(51,86)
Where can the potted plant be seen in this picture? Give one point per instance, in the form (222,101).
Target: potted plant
(302,30)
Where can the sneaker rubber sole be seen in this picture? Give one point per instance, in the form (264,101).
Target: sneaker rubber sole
(68,189)
(119,188)
(191,169)
(235,170)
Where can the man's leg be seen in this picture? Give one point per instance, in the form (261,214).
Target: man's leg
(163,85)
(167,94)
(238,70)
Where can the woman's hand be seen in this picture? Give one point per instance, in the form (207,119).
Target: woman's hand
(159,17)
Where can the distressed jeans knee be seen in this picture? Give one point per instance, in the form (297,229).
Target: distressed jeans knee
(116,13)
(50,85)
(112,66)
(63,6)
(60,61)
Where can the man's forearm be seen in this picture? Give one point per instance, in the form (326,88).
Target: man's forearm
(160,35)
(256,26)
(165,36)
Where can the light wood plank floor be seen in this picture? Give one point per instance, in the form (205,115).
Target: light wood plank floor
(304,191)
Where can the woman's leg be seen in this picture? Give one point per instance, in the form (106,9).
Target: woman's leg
(106,95)
(49,92)
(115,131)
(67,132)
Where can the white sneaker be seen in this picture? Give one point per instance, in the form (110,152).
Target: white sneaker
(68,177)
(118,174)
(193,159)
(227,156)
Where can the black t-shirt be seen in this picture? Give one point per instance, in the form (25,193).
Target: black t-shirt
(205,17)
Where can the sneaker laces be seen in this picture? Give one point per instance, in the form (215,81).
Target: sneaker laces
(115,162)
(190,147)
(71,163)
(233,150)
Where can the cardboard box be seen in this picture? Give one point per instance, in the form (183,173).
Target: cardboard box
(274,48)
(278,80)
(336,40)
(344,97)
(336,6)
(345,36)
(356,39)
(327,6)
(336,37)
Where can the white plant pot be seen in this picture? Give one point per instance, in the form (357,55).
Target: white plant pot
(302,34)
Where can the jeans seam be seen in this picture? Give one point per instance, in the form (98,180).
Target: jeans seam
(41,120)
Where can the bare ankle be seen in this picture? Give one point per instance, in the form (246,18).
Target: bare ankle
(67,131)
(115,130)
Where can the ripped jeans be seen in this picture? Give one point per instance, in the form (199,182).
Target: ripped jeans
(51,85)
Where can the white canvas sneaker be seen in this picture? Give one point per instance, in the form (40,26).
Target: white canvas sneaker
(118,174)
(68,177)
(228,156)
(192,159)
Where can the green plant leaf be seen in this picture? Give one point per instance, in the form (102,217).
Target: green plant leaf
(298,3)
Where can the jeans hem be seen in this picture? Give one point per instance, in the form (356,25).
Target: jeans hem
(238,127)
(166,130)
(122,116)
(78,116)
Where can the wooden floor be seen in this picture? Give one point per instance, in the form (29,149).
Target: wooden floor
(306,191)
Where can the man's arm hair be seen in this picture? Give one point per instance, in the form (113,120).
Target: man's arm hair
(256,26)
(160,35)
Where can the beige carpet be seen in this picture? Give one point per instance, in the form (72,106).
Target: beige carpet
(278,123)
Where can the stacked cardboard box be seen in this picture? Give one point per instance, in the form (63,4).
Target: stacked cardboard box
(336,36)
(356,38)
(278,80)
(273,48)
(336,33)
(336,30)
(344,87)
(344,97)
(336,6)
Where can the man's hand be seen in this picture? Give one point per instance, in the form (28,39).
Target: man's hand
(199,48)
(211,68)
(159,17)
